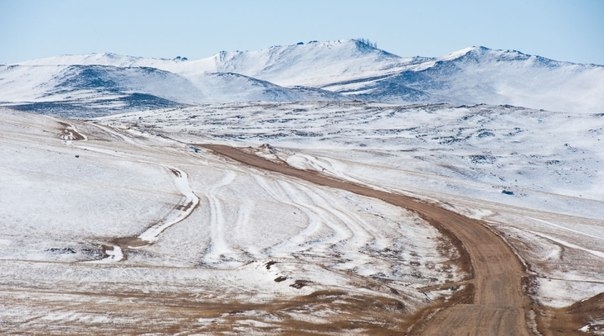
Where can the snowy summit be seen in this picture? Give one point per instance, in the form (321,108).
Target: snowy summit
(306,71)
(320,188)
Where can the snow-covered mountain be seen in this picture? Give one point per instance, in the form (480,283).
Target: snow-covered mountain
(415,179)
(338,70)
(481,75)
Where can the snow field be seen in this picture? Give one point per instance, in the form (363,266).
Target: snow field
(548,163)
(211,229)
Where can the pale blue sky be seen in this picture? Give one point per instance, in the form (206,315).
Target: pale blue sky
(570,30)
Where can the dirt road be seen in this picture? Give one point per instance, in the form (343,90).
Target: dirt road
(497,306)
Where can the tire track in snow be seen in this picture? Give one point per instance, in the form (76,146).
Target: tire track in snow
(564,243)
(69,133)
(359,236)
(183,209)
(116,134)
(566,228)
(323,213)
(302,239)
(323,209)
(350,238)
(495,302)
(219,248)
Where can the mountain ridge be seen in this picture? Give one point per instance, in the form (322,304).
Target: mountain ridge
(332,70)
(130,60)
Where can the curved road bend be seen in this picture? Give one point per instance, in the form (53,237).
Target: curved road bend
(499,305)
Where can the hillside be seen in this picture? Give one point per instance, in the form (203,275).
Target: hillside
(320,188)
(314,71)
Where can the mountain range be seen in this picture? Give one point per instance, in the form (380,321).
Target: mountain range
(320,188)
(97,84)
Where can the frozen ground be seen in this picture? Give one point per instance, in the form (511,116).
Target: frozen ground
(110,223)
(536,176)
(96,221)
(115,222)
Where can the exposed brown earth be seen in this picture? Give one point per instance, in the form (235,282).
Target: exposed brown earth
(568,320)
(69,132)
(165,313)
(497,305)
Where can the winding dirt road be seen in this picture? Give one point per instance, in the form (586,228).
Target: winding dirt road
(497,304)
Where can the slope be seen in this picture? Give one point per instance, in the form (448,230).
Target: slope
(481,75)
(498,304)
(348,69)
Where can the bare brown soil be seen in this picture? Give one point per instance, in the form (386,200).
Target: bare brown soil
(496,303)
(164,313)
(567,321)
(68,129)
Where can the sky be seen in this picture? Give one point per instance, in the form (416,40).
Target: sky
(566,30)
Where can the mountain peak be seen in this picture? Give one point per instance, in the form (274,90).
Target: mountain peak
(352,68)
(360,44)
(310,63)
(481,54)
(107,58)
(465,52)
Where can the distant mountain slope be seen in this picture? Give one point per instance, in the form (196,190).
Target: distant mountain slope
(481,75)
(219,87)
(338,70)
(114,86)
(313,64)
(112,79)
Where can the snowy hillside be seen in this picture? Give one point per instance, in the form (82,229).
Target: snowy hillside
(481,75)
(313,64)
(530,153)
(312,71)
(535,175)
(113,217)
(322,188)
